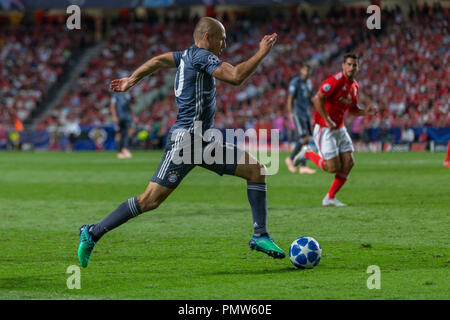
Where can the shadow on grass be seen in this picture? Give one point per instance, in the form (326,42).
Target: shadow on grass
(251,272)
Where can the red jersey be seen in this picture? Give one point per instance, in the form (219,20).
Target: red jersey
(341,94)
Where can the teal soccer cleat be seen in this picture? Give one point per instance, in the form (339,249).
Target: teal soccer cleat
(266,245)
(86,246)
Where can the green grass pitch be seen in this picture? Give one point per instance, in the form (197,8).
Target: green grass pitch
(195,245)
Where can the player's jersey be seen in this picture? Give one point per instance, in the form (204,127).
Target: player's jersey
(195,88)
(341,94)
(122,102)
(302,92)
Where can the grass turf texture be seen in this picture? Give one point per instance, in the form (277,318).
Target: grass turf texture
(195,245)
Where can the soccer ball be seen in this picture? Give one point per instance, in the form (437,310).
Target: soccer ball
(305,253)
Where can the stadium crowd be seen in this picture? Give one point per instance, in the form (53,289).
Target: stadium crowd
(31,62)
(404,71)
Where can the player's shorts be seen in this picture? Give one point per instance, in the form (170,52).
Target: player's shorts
(124,125)
(302,124)
(332,142)
(171,171)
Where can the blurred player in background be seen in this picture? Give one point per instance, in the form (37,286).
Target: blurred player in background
(337,94)
(195,93)
(122,115)
(298,103)
(447,157)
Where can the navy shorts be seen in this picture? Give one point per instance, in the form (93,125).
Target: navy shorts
(171,170)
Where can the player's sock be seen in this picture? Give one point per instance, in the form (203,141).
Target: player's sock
(125,211)
(314,157)
(297,148)
(257,196)
(339,180)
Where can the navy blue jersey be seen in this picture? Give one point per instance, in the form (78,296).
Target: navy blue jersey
(195,87)
(302,92)
(122,102)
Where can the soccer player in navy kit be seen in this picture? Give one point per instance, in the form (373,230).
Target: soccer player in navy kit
(122,116)
(195,93)
(298,103)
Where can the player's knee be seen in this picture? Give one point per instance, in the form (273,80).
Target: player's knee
(332,167)
(258,173)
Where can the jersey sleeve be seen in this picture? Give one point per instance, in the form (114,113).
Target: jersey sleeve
(177,57)
(292,87)
(206,61)
(328,86)
(113,99)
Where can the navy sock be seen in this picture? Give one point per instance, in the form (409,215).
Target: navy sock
(257,196)
(297,148)
(125,211)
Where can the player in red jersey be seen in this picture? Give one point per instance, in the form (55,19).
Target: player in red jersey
(447,157)
(337,94)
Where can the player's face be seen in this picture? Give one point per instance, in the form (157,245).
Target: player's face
(218,41)
(305,73)
(350,68)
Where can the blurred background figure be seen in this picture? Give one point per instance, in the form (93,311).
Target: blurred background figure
(72,131)
(123,118)
(298,107)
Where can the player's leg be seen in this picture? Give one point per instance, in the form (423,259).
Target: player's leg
(119,138)
(340,178)
(298,145)
(306,134)
(447,157)
(327,158)
(347,162)
(152,197)
(244,165)
(126,138)
(304,169)
(162,184)
(255,174)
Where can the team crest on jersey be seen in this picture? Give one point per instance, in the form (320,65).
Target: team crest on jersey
(173,177)
(338,76)
(326,87)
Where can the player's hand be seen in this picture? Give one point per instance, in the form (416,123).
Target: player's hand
(330,124)
(121,85)
(371,110)
(268,42)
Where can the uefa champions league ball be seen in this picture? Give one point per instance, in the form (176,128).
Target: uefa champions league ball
(305,253)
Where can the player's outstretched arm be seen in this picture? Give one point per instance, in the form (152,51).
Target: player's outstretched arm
(235,75)
(162,61)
